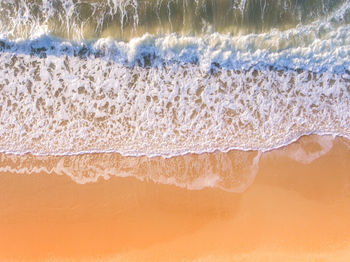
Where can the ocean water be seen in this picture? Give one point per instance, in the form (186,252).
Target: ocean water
(171,77)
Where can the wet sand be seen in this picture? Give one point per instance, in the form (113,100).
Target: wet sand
(292,211)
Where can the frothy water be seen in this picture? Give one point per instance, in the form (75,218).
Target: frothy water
(167,78)
(66,104)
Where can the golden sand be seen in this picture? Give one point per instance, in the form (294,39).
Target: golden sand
(292,211)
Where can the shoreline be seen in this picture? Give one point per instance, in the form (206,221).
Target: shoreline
(179,154)
(192,171)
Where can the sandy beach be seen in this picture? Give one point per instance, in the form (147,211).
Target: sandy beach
(292,211)
(174,131)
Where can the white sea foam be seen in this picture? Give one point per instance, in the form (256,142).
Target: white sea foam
(62,104)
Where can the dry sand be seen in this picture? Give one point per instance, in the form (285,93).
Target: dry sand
(292,211)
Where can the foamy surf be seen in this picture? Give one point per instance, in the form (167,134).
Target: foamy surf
(69,105)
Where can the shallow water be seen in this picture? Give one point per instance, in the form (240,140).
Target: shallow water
(233,171)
